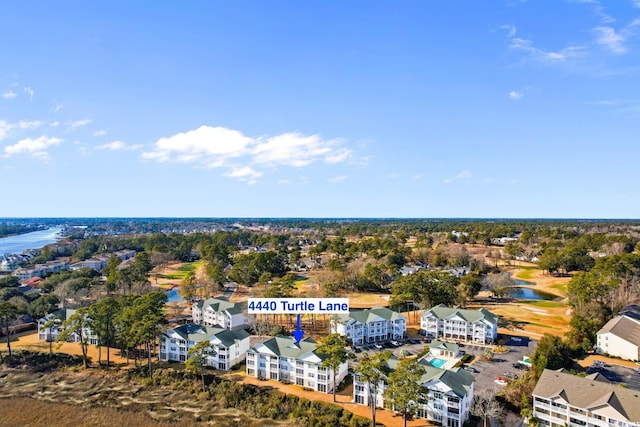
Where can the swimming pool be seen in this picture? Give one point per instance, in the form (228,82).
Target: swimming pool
(436,362)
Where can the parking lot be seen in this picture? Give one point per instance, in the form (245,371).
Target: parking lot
(500,366)
(488,372)
(619,374)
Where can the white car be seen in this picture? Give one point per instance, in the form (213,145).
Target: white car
(501,381)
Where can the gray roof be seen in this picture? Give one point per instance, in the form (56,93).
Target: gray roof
(443,312)
(222,304)
(288,347)
(369,315)
(624,328)
(458,380)
(632,311)
(444,345)
(197,333)
(588,394)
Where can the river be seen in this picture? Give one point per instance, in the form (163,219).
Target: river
(34,240)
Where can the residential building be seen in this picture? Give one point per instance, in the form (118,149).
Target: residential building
(219,311)
(447,397)
(373,325)
(284,359)
(41,270)
(51,333)
(479,326)
(229,347)
(620,336)
(562,399)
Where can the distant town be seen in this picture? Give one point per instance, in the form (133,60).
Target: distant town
(451,322)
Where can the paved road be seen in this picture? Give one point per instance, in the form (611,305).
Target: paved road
(620,374)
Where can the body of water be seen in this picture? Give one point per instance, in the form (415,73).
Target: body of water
(529,293)
(34,240)
(174,296)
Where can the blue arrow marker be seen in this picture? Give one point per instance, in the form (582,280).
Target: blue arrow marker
(298,333)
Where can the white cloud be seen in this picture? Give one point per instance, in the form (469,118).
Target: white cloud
(56,108)
(215,147)
(9,94)
(6,127)
(535,53)
(28,124)
(610,39)
(29,90)
(245,173)
(100,132)
(54,124)
(510,28)
(117,146)
(35,147)
(461,175)
(514,94)
(337,179)
(417,177)
(283,181)
(78,123)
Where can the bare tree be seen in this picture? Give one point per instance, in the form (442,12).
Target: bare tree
(486,407)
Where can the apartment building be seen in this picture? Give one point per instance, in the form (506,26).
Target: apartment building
(229,347)
(561,399)
(283,359)
(447,397)
(479,326)
(41,270)
(374,325)
(219,311)
(50,332)
(620,336)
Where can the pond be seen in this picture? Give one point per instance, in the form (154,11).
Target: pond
(522,292)
(174,296)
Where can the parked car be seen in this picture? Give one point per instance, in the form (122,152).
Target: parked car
(637,370)
(511,375)
(501,381)
(470,369)
(395,343)
(378,346)
(357,350)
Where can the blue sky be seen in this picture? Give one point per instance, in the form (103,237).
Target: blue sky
(265,108)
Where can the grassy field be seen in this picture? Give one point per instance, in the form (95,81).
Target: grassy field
(95,398)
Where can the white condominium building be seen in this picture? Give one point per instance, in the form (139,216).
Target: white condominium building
(561,399)
(281,358)
(378,324)
(219,311)
(446,399)
(229,347)
(480,326)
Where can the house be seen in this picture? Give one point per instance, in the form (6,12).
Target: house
(374,325)
(480,326)
(561,399)
(51,333)
(41,270)
(284,359)
(620,336)
(447,398)
(230,346)
(219,311)
(444,349)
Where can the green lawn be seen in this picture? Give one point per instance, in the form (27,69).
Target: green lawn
(544,304)
(526,273)
(190,266)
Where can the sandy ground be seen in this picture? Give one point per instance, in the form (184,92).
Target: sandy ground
(388,418)
(29,341)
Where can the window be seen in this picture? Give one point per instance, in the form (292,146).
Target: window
(300,381)
(323,388)
(299,371)
(250,363)
(273,375)
(222,366)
